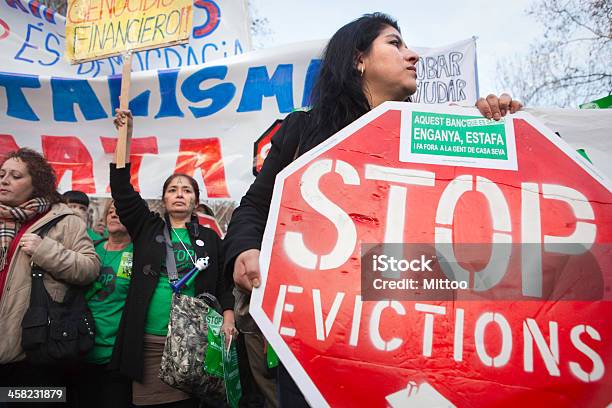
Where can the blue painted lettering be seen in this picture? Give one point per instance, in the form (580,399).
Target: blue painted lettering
(81,70)
(17,4)
(147,53)
(139,105)
(206,46)
(237,47)
(27,44)
(213,17)
(170,50)
(191,57)
(258,84)
(67,93)
(167,91)
(116,61)
(17,104)
(48,47)
(220,95)
(311,76)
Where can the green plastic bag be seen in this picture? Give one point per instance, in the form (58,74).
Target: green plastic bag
(231,374)
(221,362)
(213,363)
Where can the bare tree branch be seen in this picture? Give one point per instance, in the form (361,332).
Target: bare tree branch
(260,27)
(570,63)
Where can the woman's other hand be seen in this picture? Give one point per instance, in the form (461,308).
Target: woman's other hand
(494,107)
(246,270)
(229,327)
(29,243)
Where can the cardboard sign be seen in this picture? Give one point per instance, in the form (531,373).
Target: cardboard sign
(98,29)
(524,323)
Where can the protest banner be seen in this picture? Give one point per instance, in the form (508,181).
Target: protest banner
(521,321)
(201,120)
(32,41)
(207,132)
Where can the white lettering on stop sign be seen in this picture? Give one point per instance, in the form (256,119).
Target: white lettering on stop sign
(400,178)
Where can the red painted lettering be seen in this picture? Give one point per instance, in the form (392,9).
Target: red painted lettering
(204,154)
(7,144)
(138,148)
(68,153)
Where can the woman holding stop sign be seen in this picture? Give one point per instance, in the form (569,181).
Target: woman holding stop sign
(365,63)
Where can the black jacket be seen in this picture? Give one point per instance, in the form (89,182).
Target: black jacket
(248,223)
(147,230)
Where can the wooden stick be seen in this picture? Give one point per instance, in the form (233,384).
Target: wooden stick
(123,144)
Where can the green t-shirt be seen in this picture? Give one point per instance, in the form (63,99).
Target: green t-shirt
(106,299)
(158,314)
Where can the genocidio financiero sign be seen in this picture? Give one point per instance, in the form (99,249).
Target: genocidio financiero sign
(99,28)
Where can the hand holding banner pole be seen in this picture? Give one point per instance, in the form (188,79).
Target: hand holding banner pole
(123,144)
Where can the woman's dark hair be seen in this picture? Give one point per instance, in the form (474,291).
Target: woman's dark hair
(194,185)
(76,197)
(43,176)
(337,96)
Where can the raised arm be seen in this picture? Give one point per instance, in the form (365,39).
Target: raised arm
(131,208)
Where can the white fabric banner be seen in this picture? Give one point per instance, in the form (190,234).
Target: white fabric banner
(32,40)
(201,119)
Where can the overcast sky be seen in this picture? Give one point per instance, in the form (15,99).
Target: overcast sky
(502,28)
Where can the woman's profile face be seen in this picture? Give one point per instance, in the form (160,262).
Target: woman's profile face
(15,183)
(389,68)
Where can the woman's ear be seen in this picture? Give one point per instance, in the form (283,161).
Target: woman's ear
(360,63)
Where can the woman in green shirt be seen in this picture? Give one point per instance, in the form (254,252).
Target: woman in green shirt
(144,323)
(105,387)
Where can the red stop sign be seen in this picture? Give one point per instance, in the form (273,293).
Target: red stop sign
(415,174)
(211,222)
(262,145)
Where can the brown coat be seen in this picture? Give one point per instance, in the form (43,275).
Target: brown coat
(66,253)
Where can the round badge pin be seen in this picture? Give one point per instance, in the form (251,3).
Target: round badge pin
(199,242)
